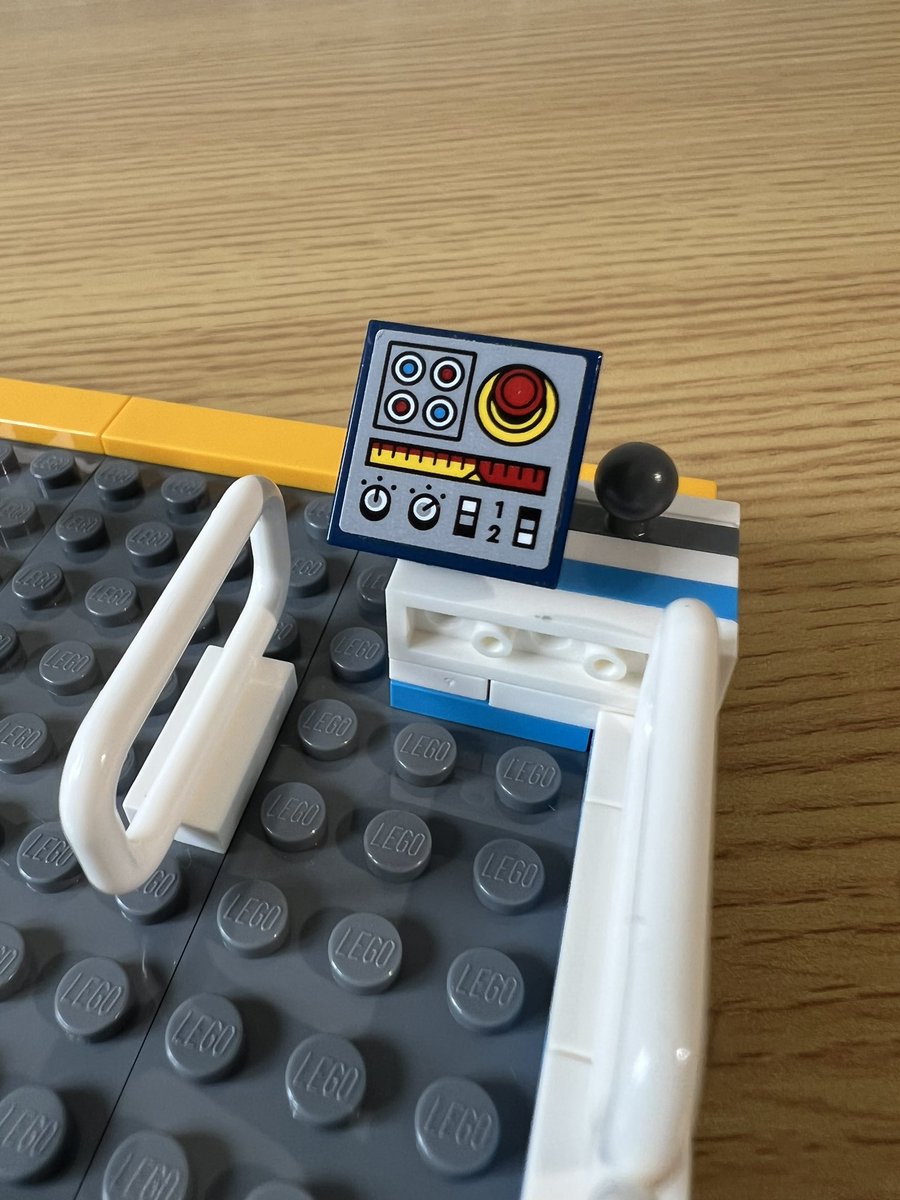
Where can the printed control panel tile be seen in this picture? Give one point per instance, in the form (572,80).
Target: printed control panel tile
(464,451)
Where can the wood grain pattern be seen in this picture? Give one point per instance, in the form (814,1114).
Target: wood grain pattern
(206,202)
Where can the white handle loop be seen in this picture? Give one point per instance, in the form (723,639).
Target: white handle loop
(116,859)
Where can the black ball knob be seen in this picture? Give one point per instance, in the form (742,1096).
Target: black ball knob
(634,483)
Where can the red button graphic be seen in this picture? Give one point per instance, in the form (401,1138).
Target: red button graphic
(519,392)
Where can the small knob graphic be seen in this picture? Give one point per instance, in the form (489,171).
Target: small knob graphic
(375,502)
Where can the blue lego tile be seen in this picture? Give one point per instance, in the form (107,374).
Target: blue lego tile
(482,715)
(641,587)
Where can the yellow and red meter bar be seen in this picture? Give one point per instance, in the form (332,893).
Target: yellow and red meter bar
(448,464)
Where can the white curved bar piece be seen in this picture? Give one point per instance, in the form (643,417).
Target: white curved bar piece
(652,1031)
(202,727)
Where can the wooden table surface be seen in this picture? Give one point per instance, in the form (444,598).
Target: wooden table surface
(206,202)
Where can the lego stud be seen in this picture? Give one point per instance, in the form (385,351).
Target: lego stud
(634,483)
(424,754)
(94,999)
(205,1038)
(13,960)
(325,1080)
(457,1127)
(365,952)
(54,469)
(118,480)
(485,990)
(44,1126)
(508,876)
(159,1156)
(9,464)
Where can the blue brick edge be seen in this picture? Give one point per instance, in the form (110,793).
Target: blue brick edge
(445,707)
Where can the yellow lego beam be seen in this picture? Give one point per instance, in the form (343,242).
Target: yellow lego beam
(69,418)
(293,453)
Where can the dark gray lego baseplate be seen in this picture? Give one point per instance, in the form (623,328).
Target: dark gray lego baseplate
(240,1131)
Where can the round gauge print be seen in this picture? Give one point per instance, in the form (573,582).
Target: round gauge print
(409,367)
(401,407)
(446,374)
(440,412)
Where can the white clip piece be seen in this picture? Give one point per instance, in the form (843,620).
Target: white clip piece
(199,773)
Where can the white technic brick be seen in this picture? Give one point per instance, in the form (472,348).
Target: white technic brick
(562,642)
(459,600)
(440,679)
(583,647)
